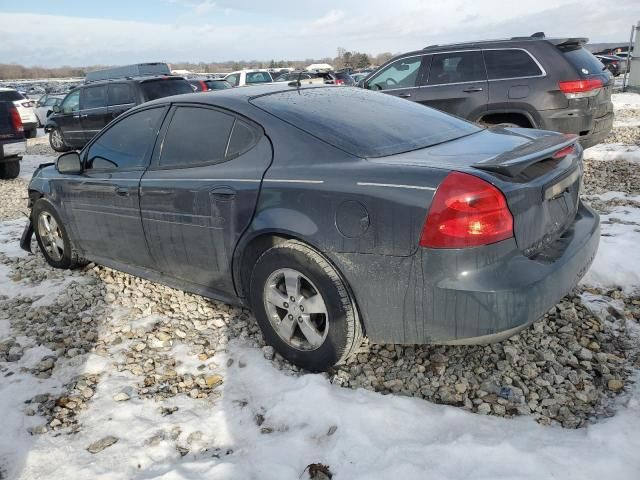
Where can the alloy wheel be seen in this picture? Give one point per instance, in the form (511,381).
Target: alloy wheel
(51,236)
(56,138)
(296,310)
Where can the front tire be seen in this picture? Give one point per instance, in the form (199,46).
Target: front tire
(56,140)
(303,307)
(9,170)
(52,237)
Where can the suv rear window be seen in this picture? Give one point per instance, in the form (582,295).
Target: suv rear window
(258,77)
(510,64)
(364,123)
(10,96)
(583,60)
(165,87)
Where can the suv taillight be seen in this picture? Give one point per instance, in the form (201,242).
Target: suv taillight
(203,86)
(581,88)
(466,211)
(339,81)
(16,121)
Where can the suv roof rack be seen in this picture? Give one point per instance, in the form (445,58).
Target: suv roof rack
(534,37)
(128,71)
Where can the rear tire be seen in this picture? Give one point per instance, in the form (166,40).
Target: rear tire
(56,140)
(317,338)
(52,237)
(9,170)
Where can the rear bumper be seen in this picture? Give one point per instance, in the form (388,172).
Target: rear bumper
(590,130)
(466,296)
(12,149)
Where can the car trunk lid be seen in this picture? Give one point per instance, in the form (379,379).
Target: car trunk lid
(541,190)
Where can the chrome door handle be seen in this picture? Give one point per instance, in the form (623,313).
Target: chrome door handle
(84,116)
(122,191)
(222,193)
(404,95)
(473,89)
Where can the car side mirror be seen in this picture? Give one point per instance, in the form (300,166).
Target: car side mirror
(69,163)
(57,109)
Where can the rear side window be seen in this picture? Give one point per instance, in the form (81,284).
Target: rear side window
(11,96)
(120,94)
(218,84)
(243,137)
(196,136)
(510,64)
(258,77)
(582,60)
(456,67)
(126,144)
(164,87)
(93,97)
(369,124)
(233,79)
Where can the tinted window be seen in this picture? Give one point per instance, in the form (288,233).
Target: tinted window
(164,87)
(51,101)
(258,77)
(582,60)
(196,136)
(233,79)
(120,94)
(127,143)
(369,124)
(94,97)
(402,73)
(71,103)
(243,137)
(510,64)
(218,84)
(456,67)
(10,95)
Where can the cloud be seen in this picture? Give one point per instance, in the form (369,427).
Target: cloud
(310,30)
(332,17)
(204,7)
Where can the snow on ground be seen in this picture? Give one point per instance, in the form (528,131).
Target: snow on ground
(625,100)
(617,263)
(613,151)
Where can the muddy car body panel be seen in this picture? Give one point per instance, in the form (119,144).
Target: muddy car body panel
(356,192)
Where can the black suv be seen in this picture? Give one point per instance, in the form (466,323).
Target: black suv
(547,83)
(88,108)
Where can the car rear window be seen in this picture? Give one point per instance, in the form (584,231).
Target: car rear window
(364,123)
(510,63)
(11,96)
(165,87)
(583,60)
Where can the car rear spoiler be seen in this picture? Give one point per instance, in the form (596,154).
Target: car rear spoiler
(515,161)
(569,42)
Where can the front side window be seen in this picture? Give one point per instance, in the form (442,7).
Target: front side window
(510,64)
(94,97)
(126,145)
(456,67)
(402,73)
(258,77)
(71,103)
(196,136)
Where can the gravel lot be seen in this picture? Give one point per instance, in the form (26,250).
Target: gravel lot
(568,369)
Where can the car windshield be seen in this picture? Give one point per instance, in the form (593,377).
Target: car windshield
(364,123)
(165,87)
(10,95)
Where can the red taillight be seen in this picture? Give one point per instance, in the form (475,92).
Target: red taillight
(203,86)
(339,81)
(16,121)
(580,88)
(563,152)
(466,212)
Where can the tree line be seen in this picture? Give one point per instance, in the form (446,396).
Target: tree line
(344,59)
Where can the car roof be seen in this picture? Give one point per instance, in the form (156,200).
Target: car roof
(136,79)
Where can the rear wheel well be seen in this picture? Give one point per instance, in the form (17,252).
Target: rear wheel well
(250,254)
(508,117)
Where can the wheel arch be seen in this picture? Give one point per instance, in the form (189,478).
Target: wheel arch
(254,245)
(509,113)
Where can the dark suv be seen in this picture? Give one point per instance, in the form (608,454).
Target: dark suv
(547,83)
(88,108)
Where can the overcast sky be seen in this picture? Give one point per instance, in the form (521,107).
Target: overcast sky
(82,32)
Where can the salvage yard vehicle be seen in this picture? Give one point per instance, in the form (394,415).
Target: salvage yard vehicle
(12,143)
(44,107)
(25,109)
(536,82)
(105,95)
(389,219)
(245,78)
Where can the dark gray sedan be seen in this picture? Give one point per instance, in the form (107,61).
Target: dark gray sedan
(332,212)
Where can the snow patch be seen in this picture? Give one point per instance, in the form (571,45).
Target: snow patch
(625,101)
(613,151)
